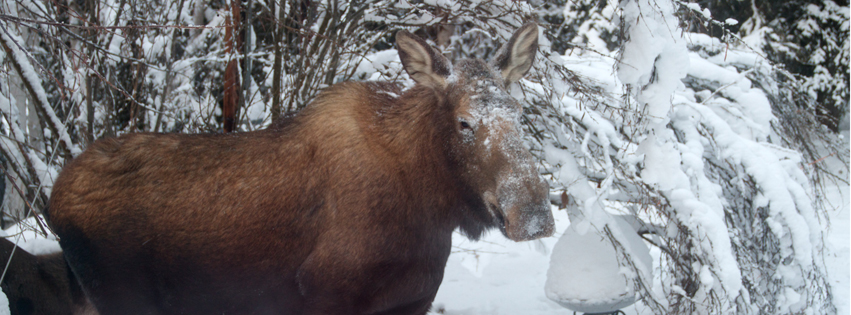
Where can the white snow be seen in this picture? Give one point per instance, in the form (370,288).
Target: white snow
(24,234)
(13,41)
(591,260)
(497,276)
(4,304)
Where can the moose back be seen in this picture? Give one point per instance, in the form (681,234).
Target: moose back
(345,208)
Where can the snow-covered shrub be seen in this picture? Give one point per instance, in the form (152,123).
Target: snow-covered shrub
(697,148)
(809,38)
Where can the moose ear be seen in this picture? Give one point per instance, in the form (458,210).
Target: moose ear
(422,62)
(515,58)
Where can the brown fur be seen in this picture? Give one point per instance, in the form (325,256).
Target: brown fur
(346,208)
(40,284)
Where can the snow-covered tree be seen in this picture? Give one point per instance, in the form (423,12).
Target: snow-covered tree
(703,148)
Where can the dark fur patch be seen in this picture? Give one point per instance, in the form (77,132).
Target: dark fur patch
(39,284)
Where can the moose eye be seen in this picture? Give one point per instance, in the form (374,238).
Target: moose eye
(465,125)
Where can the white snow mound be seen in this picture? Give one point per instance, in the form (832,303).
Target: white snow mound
(585,275)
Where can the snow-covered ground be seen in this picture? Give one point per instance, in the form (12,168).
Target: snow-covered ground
(498,276)
(839,242)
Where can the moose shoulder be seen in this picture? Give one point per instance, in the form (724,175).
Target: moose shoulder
(346,208)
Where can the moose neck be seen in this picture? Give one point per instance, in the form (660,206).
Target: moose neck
(416,128)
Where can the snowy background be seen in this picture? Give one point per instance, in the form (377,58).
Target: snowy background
(497,276)
(716,128)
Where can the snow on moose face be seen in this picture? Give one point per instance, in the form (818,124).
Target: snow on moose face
(495,162)
(487,142)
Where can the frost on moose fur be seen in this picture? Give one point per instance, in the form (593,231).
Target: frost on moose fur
(490,105)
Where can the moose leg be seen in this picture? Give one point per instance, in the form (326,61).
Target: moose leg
(115,286)
(114,293)
(344,285)
(122,299)
(340,301)
(327,302)
(34,284)
(420,307)
(322,289)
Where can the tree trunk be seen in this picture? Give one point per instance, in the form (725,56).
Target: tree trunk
(277,75)
(231,95)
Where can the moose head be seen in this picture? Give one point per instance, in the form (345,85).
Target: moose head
(498,173)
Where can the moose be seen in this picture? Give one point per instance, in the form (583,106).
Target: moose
(40,284)
(347,207)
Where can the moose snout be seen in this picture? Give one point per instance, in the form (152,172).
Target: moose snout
(528,215)
(530,223)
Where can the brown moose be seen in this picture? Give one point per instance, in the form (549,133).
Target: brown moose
(347,207)
(40,284)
